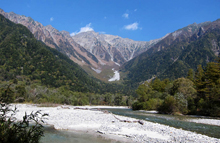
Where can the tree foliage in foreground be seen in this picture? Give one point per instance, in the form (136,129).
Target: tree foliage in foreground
(29,130)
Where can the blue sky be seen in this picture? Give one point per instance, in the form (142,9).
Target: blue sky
(140,20)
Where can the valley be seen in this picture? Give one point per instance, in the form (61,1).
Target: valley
(91,50)
(106,85)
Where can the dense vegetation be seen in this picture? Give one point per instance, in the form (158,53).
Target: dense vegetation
(37,73)
(199,93)
(13,131)
(37,93)
(173,57)
(42,74)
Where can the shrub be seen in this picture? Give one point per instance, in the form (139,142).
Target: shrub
(13,131)
(168,106)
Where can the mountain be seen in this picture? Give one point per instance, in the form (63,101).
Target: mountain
(112,48)
(173,56)
(55,39)
(96,53)
(24,58)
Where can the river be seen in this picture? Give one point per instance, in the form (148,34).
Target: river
(171,120)
(55,136)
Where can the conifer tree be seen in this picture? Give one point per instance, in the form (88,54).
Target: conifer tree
(190,75)
(199,81)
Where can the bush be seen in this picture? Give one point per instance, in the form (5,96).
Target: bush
(137,106)
(154,103)
(181,103)
(12,131)
(168,106)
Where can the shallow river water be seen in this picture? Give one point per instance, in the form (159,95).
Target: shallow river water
(173,121)
(55,136)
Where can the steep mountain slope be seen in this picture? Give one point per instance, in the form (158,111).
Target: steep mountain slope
(55,39)
(25,58)
(111,47)
(95,53)
(175,54)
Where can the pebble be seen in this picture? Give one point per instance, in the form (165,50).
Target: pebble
(107,124)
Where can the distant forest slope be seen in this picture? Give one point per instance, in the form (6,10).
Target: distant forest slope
(21,55)
(173,56)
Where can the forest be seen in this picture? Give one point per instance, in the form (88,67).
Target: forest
(37,73)
(197,94)
(31,72)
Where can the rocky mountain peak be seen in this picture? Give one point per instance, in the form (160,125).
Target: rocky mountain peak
(51,29)
(201,31)
(89,49)
(125,48)
(1,10)
(65,33)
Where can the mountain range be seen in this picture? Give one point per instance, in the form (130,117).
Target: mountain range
(168,57)
(95,53)
(173,56)
(28,61)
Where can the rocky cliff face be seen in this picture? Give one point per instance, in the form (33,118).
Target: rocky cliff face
(173,56)
(55,39)
(110,47)
(89,49)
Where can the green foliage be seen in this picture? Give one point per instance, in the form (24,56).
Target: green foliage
(6,95)
(13,131)
(168,106)
(181,102)
(199,94)
(184,86)
(172,58)
(208,85)
(138,106)
(151,95)
(23,56)
(190,74)
(144,92)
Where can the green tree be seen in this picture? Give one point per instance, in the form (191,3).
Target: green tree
(181,103)
(144,92)
(108,98)
(12,131)
(184,86)
(200,81)
(20,93)
(190,75)
(118,99)
(212,87)
(168,106)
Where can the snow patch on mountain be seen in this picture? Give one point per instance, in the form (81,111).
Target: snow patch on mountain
(116,76)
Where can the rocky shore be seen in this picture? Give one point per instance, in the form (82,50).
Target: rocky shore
(112,126)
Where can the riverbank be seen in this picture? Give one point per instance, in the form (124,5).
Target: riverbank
(111,126)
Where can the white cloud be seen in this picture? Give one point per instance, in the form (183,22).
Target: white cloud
(125,15)
(83,29)
(133,26)
(135,10)
(86,28)
(51,19)
(74,33)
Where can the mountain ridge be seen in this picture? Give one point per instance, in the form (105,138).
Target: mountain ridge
(164,56)
(103,56)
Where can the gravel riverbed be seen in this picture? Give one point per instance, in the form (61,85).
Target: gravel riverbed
(112,126)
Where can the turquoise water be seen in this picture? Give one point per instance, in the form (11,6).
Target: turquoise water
(173,121)
(55,136)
